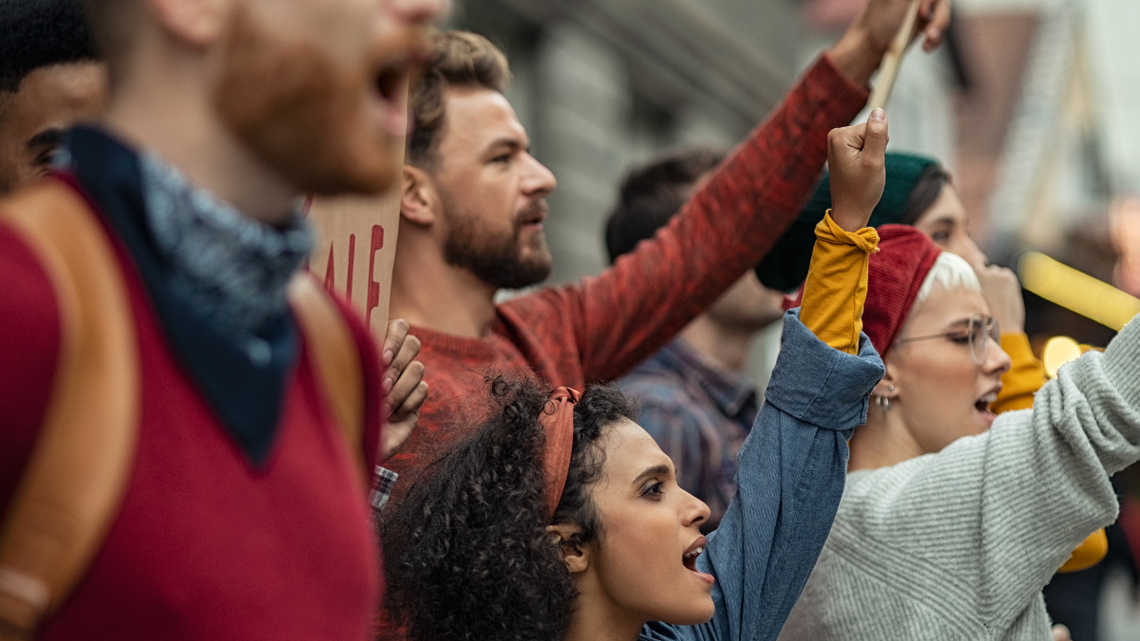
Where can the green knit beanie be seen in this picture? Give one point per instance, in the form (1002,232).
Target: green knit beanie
(786,266)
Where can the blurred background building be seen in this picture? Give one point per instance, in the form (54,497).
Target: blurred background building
(1031,105)
(1028,105)
(601,84)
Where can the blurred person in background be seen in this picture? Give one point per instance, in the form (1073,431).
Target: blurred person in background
(921,194)
(694,397)
(50,78)
(473,207)
(1075,599)
(559,518)
(953,520)
(153,308)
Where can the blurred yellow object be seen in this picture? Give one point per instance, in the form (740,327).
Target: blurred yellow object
(1058,351)
(1088,553)
(1077,291)
(1025,376)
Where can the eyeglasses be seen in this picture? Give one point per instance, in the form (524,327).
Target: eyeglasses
(978,334)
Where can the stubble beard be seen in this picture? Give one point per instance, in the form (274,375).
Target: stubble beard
(495,259)
(300,114)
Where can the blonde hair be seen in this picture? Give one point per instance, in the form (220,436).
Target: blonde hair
(949,272)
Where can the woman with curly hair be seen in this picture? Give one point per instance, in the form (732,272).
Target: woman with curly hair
(562,518)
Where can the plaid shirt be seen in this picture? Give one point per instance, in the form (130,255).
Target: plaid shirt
(699,412)
(600,328)
(382,487)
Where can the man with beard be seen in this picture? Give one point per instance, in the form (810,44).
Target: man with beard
(473,205)
(177,460)
(50,77)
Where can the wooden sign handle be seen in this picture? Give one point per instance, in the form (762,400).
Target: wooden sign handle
(889,71)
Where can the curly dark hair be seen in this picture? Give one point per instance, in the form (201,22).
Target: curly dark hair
(467,552)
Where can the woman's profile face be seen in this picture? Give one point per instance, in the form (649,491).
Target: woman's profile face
(645,561)
(943,394)
(946,223)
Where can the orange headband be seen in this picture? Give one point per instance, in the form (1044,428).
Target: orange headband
(557,421)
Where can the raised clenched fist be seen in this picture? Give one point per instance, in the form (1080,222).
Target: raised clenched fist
(858,174)
(858,53)
(881,20)
(1003,294)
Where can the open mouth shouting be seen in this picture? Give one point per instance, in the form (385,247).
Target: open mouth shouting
(982,405)
(689,560)
(390,77)
(533,215)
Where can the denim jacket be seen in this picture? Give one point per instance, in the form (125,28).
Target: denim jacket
(789,481)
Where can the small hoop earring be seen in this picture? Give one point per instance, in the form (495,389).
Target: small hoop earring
(884,403)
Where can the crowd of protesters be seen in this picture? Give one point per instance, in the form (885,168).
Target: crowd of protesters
(693,395)
(197,441)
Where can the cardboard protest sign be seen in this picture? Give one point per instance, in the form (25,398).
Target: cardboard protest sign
(356,249)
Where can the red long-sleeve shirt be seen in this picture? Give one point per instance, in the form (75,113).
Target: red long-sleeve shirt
(599,329)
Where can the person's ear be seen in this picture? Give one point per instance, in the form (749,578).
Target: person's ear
(577,557)
(197,23)
(888,387)
(418,197)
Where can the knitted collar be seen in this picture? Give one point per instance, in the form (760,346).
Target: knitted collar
(231,268)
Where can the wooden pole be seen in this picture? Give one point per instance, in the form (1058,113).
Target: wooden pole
(889,71)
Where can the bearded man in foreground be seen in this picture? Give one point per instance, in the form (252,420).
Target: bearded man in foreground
(159,341)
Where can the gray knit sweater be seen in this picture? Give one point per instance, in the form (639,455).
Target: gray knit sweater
(958,545)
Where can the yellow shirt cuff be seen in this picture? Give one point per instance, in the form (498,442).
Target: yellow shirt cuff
(836,286)
(1025,376)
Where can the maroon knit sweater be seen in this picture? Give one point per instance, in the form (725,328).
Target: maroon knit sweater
(601,328)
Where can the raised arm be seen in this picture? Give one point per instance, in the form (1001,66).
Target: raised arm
(1025,376)
(793,464)
(1010,505)
(631,310)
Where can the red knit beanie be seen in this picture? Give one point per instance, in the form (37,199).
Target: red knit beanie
(895,274)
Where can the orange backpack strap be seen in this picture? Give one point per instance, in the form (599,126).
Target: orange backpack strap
(336,361)
(75,479)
